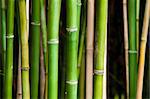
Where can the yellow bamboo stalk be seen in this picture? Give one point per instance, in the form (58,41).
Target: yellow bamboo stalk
(126,44)
(89,49)
(142,50)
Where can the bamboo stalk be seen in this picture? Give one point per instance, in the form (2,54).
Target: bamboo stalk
(82,38)
(126,44)
(19,83)
(82,77)
(3,31)
(89,49)
(142,50)
(9,51)
(24,50)
(44,44)
(100,47)
(35,48)
(42,71)
(71,49)
(132,48)
(53,40)
(137,24)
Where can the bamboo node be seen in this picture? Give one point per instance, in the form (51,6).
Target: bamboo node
(143,39)
(53,41)
(98,72)
(71,29)
(132,51)
(35,23)
(9,36)
(72,82)
(25,68)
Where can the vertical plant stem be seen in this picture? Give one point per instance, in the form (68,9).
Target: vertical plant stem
(24,50)
(53,40)
(126,44)
(132,48)
(42,71)
(71,49)
(9,51)
(44,43)
(142,50)
(89,49)
(100,47)
(82,38)
(35,47)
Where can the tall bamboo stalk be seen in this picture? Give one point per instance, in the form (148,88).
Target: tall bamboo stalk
(24,50)
(126,44)
(3,31)
(42,71)
(82,37)
(100,47)
(82,77)
(53,40)
(137,24)
(71,50)
(142,50)
(3,39)
(35,47)
(44,43)
(89,49)
(9,51)
(132,48)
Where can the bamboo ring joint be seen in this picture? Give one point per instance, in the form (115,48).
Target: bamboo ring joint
(98,72)
(53,41)
(34,23)
(72,29)
(72,82)
(132,51)
(25,68)
(9,36)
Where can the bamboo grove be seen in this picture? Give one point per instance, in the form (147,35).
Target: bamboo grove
(59,49)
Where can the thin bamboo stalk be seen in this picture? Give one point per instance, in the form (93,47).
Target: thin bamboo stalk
(27,15)
(100,47)
(89,49)
(82,77)
(71,49)
(3,31)
(82,38)
(132,48)
(35,48)
(142,50)
(53,40)
(137,24)
(126,44)
(42,71)
(9,51)
(24,50)
(44,43)
(19,83)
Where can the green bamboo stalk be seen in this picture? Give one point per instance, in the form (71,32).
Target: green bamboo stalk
(100,47)
(53,40)
(35,47)
(9,51)
(24,50)
(137,24)
(3,39)
(44,43)
(132,48)
(82,38)
(3,31)
(71,43)
(82,77)
(78,19)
